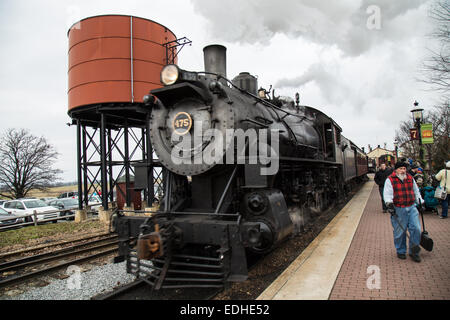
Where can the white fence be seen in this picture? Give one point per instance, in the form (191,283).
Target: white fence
(37,221)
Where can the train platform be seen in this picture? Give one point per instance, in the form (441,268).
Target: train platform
(354,258)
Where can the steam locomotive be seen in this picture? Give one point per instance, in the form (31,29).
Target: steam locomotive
(228,194)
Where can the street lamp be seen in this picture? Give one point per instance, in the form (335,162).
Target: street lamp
(417,113)
(418,118)
(396,150)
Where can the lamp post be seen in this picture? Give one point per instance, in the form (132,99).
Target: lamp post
(418,118)
(396,150)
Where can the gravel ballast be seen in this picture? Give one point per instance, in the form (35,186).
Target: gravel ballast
(80,285)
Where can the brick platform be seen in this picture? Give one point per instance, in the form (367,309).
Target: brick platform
(372,253)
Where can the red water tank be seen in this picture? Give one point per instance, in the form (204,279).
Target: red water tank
(115,59)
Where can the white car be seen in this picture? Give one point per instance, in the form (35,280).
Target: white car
(94,199)
(23,207)
(47,200)
(71,194)
(7,219)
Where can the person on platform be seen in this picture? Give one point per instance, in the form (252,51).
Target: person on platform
(380,178)
(401,195)
(413,170)
(408,163)
(444,177)
(417,173)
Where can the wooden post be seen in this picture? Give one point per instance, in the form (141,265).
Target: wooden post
(35,217)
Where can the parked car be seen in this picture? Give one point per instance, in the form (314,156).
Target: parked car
(95,202)
(70,194)
(69,203)
(47,200)
(23,207)
(9,219)
(2,202)
(94,199)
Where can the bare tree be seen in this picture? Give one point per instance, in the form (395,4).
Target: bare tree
(436,72)
(436,68)
(439,151)
(25,163)
(409,149)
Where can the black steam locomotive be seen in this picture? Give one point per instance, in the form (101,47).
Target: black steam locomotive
(228,194)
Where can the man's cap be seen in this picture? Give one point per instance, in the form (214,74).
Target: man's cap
(401,164)
(414,166)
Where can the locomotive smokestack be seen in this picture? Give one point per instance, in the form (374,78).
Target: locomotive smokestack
(215,57)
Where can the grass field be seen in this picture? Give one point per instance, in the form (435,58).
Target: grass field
(52,192)
(47,233)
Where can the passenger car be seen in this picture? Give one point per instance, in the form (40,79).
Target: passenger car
(26,206)
(68,203)
(8,219)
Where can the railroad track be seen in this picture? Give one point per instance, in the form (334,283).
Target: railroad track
(120,291)
(139,289)
(5,256)
(89,250)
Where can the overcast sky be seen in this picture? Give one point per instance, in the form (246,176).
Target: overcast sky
(355,60)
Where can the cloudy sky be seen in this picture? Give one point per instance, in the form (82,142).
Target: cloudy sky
(356,60)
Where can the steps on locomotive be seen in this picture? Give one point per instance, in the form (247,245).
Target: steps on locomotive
(183,271)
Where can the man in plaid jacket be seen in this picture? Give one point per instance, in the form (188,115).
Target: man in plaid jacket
(401,195)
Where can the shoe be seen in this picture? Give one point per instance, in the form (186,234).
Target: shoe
(415,257)
(401,256)
(442,217)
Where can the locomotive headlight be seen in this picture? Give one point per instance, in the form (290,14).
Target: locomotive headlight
(170,74)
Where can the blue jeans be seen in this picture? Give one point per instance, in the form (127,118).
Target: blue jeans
(445,206)
(409,219)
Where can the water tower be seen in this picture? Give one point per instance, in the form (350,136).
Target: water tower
(114,60)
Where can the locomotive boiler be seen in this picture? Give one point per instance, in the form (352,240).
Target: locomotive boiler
(243,171)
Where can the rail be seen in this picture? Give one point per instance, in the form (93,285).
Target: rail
(59,254)
(64,263)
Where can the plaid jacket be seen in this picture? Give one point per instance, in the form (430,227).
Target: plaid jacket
(403,190)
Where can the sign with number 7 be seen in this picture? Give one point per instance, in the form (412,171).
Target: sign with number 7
(414,133)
